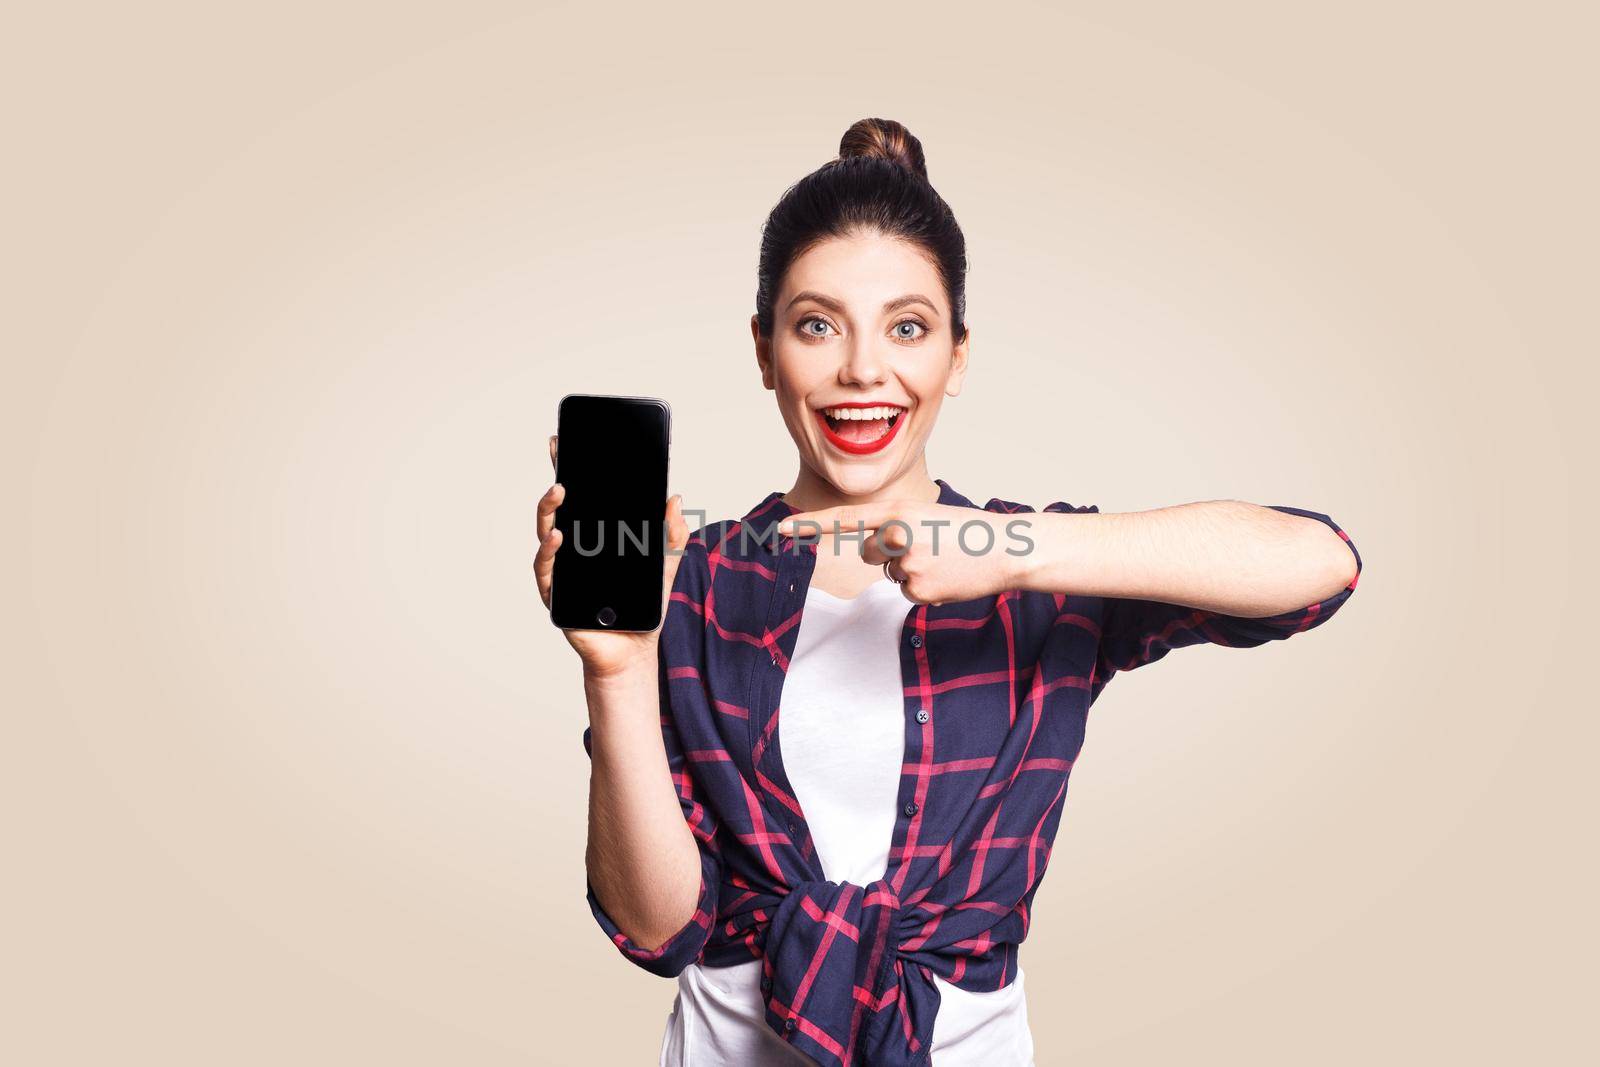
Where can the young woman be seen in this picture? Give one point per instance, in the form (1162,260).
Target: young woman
(849,881)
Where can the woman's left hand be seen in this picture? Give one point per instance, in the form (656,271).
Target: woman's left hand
(937,552)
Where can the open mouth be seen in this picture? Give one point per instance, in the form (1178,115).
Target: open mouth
(860,428)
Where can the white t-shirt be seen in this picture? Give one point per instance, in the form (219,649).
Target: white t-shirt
(843,681)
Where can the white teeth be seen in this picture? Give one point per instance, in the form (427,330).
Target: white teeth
(855,414)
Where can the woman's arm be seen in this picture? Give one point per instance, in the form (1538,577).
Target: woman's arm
(643,862)
(652,887)
(1225,556)
(1220,571)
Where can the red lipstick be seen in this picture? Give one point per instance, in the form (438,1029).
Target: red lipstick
(861,448)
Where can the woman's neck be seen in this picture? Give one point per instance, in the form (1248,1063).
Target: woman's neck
(812,491)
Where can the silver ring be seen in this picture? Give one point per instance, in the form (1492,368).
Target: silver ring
(892,578)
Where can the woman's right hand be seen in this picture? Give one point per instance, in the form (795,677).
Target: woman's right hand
(606,652)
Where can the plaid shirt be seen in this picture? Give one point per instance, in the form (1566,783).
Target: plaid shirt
(997,693)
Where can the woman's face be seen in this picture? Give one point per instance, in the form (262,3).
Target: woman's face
(861,358)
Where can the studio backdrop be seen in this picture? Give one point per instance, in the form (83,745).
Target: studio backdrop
(294,759)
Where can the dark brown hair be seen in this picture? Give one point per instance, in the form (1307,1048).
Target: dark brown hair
(878,182)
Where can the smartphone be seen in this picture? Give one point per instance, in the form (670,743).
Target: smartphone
(611,458)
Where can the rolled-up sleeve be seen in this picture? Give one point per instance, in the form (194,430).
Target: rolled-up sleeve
(1135,631)
(680,650)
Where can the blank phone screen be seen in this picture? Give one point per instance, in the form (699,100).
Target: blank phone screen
(611,459)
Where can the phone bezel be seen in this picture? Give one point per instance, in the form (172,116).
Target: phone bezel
(666,411)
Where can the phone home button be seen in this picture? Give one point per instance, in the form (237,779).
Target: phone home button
(606,616)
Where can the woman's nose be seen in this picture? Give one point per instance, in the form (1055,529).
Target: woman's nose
(863,364)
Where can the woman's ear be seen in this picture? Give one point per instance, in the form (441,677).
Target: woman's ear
(763,352)
(958,364)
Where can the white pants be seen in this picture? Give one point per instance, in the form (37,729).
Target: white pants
(718,1020)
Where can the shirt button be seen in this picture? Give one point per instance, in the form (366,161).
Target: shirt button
(916,640)
(910,809)
(766,985)
(788,1024)
(923,716)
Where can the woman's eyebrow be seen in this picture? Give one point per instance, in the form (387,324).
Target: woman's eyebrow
(909,298)
(838,308)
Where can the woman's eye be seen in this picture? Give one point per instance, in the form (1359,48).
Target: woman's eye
(906,330)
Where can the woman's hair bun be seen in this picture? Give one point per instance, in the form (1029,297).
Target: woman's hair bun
(877,184)
(884,139)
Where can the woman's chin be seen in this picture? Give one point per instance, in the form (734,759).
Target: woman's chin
(857,477)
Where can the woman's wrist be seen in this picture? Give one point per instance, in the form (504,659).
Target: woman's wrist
(1047,564)
(644,662)
(625,687)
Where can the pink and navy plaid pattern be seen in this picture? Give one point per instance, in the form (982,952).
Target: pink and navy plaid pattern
(997,693)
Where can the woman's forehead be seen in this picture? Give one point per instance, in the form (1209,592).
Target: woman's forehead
(861,272)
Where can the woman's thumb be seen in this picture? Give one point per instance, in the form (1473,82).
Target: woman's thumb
(677,537)
(677,527)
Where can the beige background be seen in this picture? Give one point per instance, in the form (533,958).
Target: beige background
(294,771)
